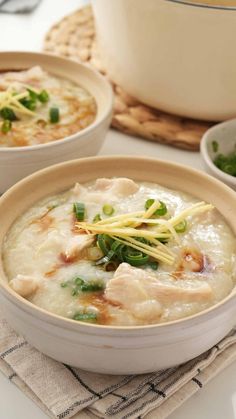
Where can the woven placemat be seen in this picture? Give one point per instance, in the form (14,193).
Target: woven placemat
(74,37)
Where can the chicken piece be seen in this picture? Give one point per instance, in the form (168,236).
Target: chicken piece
(34,73)
(76,245)
(131,287)
(118,186)
(78,190)
(24,285)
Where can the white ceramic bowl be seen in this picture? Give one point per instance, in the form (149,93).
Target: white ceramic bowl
(18,162)
(171,54)
(106,349)
(225,135)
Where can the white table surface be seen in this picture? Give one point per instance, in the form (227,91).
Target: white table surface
(25,32)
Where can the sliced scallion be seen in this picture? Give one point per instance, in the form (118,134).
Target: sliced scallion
(96,218)
(181,227)
(108,209)
(6,126)
(33,95)
(78,281)
(85,317)
(43,96)
(92,286)
(8,113)
(162,210)
(74,292)
(28,103)
(104,242)
(79,210)
(54,115)
(153,265)
(136,258)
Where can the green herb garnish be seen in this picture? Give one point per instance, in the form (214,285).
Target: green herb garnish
(96,218)
(8,113)
(29,104)
(226,163)
(6,126)
(54,115)
(85,317)
(44,97)
(108,209)
(162,210)
(181,227)
(79,210)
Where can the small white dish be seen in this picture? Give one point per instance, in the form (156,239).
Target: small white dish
(225,135)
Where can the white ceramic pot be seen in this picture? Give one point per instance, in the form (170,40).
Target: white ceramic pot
(18,162)
(173,55)
(107,349)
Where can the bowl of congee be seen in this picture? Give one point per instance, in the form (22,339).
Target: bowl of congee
(119,265)
(52,109)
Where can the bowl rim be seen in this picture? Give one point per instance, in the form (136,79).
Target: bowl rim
(94,73)
(202,5)
(205,154)
(61,321)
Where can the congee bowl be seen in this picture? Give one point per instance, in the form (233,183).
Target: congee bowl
(174,55)
(18,162)
(106,349)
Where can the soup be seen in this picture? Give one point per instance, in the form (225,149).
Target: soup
(117,252)
(37,107)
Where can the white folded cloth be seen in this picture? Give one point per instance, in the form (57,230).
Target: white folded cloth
(64,392)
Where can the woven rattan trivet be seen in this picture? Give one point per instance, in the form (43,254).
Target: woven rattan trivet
(74,37)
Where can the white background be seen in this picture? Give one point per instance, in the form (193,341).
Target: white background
(25,32)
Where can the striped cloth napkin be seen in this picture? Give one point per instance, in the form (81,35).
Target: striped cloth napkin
(64,392)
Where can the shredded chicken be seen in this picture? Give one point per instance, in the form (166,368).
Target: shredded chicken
(119,186)
(24,285)
(143,293)
(76,245)
(112,189)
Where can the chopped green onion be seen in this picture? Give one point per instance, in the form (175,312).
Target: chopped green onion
(136,258)
(54,115)
(85,317)
(79,210)
(153,265)
(181,227)
(162,210)
(33,95)
(78,281)
(9,114)
(6,126)
(106,258)
(64,284)
(92,287)
(104,242)
(108,209)
(44,97)
(74,292)
(215,146)
(96,218)
(226,163)
(28,103)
